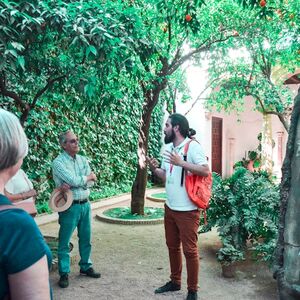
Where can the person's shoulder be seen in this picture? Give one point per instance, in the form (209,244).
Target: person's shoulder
(195,145)
(19,219)
(58,158)
(24,243)
(21,172)
(81,158)
(192,142)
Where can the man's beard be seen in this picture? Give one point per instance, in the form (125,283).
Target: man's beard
(169,138)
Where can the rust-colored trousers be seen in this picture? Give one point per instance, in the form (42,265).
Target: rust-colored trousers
(181,228)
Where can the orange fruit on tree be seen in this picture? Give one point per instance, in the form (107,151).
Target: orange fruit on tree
(262,3)
(188,18)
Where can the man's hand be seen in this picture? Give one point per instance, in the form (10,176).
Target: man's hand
(91,177)
(64,187)
(173,158)
(28,194)
(33,193)
(152,163)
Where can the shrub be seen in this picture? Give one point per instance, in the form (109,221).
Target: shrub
(244,208)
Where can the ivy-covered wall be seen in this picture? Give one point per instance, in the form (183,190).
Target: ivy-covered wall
(108,137)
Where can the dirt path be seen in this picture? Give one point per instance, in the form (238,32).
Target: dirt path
(133,261)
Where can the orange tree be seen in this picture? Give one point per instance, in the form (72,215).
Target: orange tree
(171,33)
(64,64)
(270,43)
(48,46)
(278,44)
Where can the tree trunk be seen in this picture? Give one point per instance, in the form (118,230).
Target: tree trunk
(24,115)
(287,268)
(139,185)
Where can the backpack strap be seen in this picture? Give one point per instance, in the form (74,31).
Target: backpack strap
(185,151)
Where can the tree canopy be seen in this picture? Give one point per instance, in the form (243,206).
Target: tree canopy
(246,66)
(62,45)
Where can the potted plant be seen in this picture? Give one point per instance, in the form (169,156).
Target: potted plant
(254,162)
(228,255)
(244,208)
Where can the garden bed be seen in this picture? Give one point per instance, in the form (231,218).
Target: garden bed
(122,215)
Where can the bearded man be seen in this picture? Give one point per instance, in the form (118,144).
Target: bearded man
(181,219)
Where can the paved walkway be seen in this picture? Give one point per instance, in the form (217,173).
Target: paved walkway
(133,261)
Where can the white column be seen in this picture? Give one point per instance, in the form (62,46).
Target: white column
(231,155)
(266,143)
(279,148)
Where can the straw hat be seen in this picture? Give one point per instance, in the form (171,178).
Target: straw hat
(60,201)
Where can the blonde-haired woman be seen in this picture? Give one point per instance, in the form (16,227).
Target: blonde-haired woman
(24,256)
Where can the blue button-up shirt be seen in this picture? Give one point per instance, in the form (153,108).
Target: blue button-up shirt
(74,172)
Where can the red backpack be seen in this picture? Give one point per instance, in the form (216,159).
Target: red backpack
(198,187)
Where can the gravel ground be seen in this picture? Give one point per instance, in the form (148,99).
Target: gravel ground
(133,261)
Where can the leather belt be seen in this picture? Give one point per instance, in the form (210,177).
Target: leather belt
(80,201)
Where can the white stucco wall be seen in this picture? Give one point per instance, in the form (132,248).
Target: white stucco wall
(239,131)
(242,131)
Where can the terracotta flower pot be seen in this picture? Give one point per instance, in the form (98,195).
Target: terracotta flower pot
(250,166)
(228,270)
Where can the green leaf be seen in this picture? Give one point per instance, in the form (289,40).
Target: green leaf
(21,62)
(12,52)
(17,46)
(108,35)
(91,49)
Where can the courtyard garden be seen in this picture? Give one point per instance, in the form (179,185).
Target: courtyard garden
(112,71)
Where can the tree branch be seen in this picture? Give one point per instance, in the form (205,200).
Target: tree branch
(49,84)
(251,76)
(199,96)
(177,63)
(272,112)
(29,107)
(10,94)
(267,67)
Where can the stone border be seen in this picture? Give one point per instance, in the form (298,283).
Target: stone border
(101,217)
(155,199)
(95,205)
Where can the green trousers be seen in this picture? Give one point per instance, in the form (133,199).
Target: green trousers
(78,215)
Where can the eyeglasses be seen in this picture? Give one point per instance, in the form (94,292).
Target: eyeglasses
(73,141)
